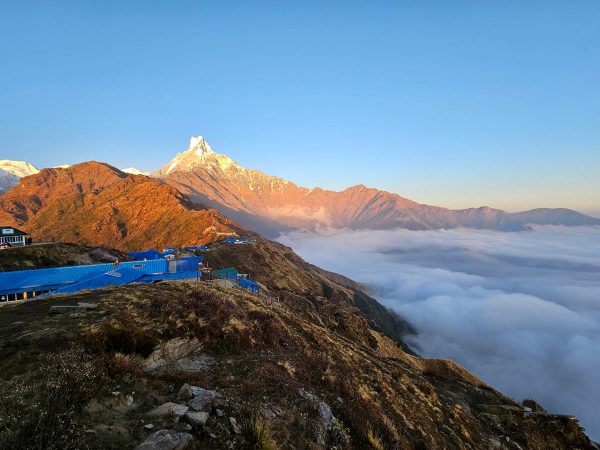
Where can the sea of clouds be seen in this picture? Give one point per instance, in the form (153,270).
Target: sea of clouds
(520,310)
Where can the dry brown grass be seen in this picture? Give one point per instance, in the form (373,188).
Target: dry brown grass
(269,378)
(42,411)
(122,333)
(257,435)
(218,321)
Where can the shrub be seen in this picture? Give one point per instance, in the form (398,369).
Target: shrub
(122,334)
(256,433)
(217,321)
(41,411)
(374,441)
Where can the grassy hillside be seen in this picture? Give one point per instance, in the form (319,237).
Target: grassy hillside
(283,377)
(56,255)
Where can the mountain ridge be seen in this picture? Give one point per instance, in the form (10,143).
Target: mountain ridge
(269,204)
(95,203)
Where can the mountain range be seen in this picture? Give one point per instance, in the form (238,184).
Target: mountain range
(271,205)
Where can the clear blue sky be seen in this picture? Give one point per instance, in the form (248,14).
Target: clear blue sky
(456,103)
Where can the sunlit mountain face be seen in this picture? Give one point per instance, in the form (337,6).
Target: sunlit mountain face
(270,205)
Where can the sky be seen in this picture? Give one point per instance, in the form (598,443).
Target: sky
(457,104)
(519,310)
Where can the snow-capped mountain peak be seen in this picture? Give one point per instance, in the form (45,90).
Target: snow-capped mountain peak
(18,168)
(12,171)
(134,171)
(199,153)
(200,147)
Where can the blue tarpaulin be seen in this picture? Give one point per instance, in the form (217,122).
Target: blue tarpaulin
(251,285)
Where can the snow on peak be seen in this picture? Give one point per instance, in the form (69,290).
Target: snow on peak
(199,153)
(200,147)
(19,169)
(12,171)
(134,171)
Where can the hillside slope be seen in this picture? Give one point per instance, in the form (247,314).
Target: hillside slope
(94,203)
(304,286)
(266,375)
(56,255)
(268,204)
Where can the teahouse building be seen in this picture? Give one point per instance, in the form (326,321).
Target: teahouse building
(12,236)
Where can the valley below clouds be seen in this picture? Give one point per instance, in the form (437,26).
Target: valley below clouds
(520,310)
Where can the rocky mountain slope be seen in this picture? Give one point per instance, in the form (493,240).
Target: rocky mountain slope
(270,204)
(94,203)
(174,366)
(12,171)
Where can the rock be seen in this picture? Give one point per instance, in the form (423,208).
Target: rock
(168,353)
(65,309)
(168,409)
(535,406)
(234,425)
(185,393)
(166,440)
(202,398)
(326,417)
(307,395)
(149,426)
(197,418)
(129,400)
(268,413)
(220,412)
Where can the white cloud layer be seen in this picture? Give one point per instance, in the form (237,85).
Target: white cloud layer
(520,310)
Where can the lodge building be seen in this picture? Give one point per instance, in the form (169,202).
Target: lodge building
(12,236)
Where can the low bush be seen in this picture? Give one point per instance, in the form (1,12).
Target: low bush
(217,321)
(123,333)
(257,435)
(42,410)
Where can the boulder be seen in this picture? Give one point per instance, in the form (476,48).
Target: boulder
(185,393)
(196,418)
(168,409)
(166,440)
(325,416)
(168,353)
(202,400)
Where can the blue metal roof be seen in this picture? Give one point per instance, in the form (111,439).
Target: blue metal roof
(78,278)
(44,279)
(115,278)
